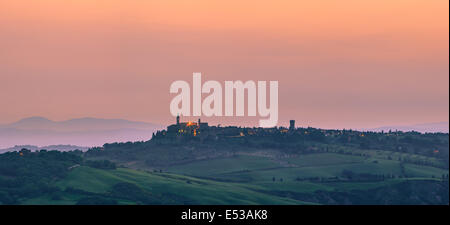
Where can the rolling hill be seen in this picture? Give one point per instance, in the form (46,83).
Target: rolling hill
(309,166)
(88,184)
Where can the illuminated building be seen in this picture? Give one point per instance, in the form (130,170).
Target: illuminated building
(193,128)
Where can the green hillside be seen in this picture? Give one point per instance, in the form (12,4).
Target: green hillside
(98,186)
(159,188)
(405,168)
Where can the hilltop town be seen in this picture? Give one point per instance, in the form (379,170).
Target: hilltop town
(203,130)
(258,165)
(211,141)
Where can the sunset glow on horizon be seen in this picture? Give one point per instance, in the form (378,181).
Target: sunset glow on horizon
(340,64)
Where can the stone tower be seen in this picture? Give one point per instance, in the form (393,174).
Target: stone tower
(292,125)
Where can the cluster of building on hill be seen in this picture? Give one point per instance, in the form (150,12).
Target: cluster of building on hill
(363,138)
(202,129)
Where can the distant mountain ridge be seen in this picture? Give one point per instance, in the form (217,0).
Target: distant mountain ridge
(89,132)
(40,131)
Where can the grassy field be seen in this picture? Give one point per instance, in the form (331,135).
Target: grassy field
(223,165)
(244,168)
(240,179)
(190,190)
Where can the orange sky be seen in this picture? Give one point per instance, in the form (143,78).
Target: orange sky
(339,64)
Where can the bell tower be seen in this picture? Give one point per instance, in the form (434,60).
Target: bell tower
(292,125)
